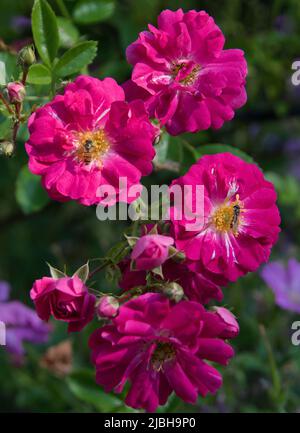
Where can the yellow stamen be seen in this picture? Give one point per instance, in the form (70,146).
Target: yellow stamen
(226,218)
(91,146)
(191,77)
(162,353)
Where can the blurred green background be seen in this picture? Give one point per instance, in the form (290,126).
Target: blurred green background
(265,374)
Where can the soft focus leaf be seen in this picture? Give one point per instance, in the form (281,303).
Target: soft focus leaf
(39,74)
(45,31)
(29,193)
(82,384)
(76,58)
(211,149)
(93,11)
(11,69)
(68,33)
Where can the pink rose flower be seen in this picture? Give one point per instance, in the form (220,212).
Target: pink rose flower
(66,299)
(16,92)
(197,286)
(241,219)
(151,251)
(232,327)
(181,71)
(88,138)
(108,307)
(160,347)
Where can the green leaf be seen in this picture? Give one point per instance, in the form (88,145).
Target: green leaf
(211,149)
(56,273)
(82,384)
(68,33)
(11,69)
(93,11)
(39,74)
(45,31)
(83,272)
(76,58)
(29,193)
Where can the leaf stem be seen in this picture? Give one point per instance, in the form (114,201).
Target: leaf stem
(63,9)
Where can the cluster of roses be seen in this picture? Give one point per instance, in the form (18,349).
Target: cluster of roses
(161,336)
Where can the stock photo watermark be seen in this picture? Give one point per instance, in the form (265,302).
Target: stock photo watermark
(295,338)
(2,334)
(182,201)
(296,75)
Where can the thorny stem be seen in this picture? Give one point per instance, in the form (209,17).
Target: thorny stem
(24,77)
(17,122)
(6,104)
(18,109)
(98,269)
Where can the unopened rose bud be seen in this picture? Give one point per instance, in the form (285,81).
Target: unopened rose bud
(173,291)
(26,57)
(108,307)
(16,92)
(231,326)
(7,148)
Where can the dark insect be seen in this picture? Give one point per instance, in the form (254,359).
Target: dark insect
(87,156)
(235,218)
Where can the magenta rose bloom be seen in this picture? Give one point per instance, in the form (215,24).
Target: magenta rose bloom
(181,71)
(241,219)
(196,286)
(232,326)
(90,138)
(66,299)
(151,251)
(160,347)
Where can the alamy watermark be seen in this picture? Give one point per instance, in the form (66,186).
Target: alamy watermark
(296,75)
(182,202)
(295,338)
(2,334)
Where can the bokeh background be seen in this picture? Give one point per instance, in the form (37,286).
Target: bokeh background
(265,374)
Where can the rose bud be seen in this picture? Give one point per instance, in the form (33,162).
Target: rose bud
(173,291)
(66,299)
(151,251)
(26,57)
(108,307)
(231,326)
(16,92)
(7,148)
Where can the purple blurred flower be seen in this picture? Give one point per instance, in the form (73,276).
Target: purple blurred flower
(22,325)
(20,22)
(284,24)
(292,150)
(285,283)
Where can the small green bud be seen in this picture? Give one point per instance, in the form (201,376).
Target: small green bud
(173,291)
(26,57)
(7,148)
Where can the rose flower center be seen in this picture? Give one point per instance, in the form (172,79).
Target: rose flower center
(186,73)
(162,353)
(227,217)
(91,146)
